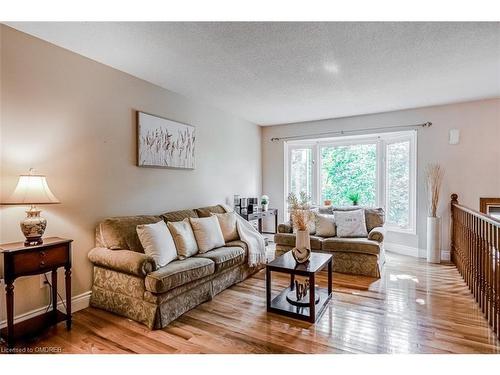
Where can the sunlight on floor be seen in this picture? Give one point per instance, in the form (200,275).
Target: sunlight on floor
(403,277)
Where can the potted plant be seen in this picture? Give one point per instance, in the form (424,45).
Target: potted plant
(354,198)
(434,174)
(264,202)
(301,216)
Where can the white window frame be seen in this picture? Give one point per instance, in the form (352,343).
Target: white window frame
(410,136)
(381,140)
(288,151)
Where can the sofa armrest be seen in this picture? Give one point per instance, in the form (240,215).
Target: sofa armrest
(377,234)
(125,261)
(285,228)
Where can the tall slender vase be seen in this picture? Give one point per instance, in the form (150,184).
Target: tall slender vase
(302,250)
(434,239)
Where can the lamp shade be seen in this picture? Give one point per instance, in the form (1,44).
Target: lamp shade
(32,189)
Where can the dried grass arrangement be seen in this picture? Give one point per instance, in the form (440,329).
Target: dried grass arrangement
(299,208)
(434,173)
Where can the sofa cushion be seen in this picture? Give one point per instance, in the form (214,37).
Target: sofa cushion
(227,222)
(288,239)
(351,223)
(177,273)
(184,239)
(119,233)
(375,217)
(207,232)
(353,245)
(208,211)
(325,225)
(179,215)
(225,257)
(238,243)
(157,242)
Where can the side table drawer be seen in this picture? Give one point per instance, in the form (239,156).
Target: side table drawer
(254,216)
(38,260)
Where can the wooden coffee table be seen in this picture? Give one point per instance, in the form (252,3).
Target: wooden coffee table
(312,310)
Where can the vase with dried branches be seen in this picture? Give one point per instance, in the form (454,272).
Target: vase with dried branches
(301,217)
(434,176)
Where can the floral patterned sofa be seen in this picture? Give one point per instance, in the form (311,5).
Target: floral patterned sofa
(358,256)
(127,282)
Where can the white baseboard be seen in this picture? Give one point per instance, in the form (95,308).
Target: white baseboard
(79,302)
(413,251)
(446,255)
(401,249)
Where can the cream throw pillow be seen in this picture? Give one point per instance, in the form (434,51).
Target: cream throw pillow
(227,224)
(157,242)
(351,223)
(207,233)
(325,225)
(183,237)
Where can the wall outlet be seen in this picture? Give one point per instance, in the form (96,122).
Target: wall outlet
(43,281)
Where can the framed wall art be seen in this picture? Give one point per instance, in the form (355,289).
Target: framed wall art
(164,143)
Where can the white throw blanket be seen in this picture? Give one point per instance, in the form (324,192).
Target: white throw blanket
(252,238)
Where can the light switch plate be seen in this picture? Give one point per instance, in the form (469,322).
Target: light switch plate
(454,138)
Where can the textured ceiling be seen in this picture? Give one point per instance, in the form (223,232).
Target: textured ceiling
(272,73)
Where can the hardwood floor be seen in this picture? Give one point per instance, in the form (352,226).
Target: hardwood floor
(414,308)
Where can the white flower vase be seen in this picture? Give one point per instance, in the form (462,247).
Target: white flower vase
(302,250)
(434,239)
(265,206)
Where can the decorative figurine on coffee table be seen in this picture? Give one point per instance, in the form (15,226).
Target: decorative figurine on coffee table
(301,255)
(299,295)
(302,217)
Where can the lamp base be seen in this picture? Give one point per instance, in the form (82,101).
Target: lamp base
(33,242)
(33,227)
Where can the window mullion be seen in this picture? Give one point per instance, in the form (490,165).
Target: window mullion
(317,174)
(382,174)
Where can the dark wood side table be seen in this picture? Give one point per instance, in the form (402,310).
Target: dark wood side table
(260,215)
(20,260)
(318,297)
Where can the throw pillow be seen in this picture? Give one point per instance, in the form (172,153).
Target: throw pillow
(325,225)
(157,242)
(207,233)
(227,224)
(351,223)
(183,237)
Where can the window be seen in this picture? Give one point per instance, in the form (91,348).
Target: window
(301,170)
(381,168)
(347,169)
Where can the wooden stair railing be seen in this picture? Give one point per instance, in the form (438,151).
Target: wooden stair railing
(475,252)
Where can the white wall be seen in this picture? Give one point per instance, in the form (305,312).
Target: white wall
(471,168)
(73,119)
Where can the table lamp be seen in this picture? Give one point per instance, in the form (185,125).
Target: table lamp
(32,189)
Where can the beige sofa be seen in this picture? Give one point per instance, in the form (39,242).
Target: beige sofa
(128,283)
(359,256)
